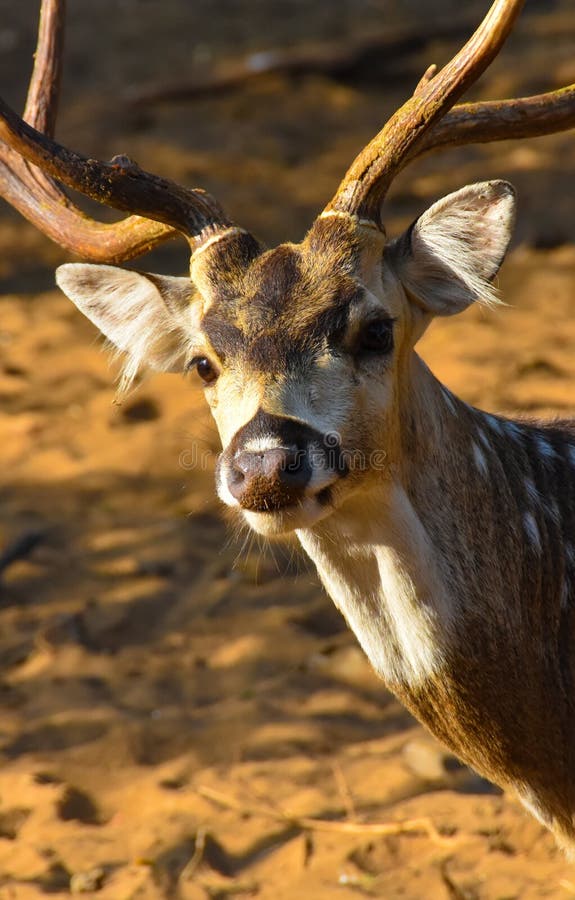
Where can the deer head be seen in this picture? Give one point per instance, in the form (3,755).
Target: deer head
(306,350)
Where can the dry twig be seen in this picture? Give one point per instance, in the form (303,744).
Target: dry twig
(344,790)
(195,860)
(306,823)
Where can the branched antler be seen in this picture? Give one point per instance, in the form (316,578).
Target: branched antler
(427,121)
(32,164)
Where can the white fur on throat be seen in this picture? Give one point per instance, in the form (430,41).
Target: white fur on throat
(380,569)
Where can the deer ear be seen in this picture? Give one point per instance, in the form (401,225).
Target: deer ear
(149,317)
(448,258)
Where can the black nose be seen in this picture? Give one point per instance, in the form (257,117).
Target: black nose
(269,479)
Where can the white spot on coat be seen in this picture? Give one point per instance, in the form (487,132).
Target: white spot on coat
(484,439)
(513,430)
(544,447)
(532,492)
(495,423)
(449,400)
(479,458)
(554,511)
(532,530)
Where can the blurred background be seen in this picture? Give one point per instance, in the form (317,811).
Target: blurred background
(173,694)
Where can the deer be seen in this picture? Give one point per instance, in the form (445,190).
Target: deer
(443,533)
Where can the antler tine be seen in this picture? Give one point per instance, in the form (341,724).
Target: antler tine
(44,91)
(162,207)
(500,120)
(40,199)
(367,180)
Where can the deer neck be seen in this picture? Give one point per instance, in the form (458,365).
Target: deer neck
(395,557)
(456,574)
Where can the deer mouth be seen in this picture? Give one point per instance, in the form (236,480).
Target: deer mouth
(293,517)
(274,509)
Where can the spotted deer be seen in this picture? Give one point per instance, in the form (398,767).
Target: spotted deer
(445,535)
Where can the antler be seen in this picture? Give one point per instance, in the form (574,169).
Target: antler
(501,120)
(120,183)
(426,121)
(32,164)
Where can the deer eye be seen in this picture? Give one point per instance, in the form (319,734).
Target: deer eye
(205,369)
(376,337)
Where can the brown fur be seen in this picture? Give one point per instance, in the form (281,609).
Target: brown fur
(506,702)
(286,301)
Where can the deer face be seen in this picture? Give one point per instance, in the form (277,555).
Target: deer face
(297,356)
(304,350)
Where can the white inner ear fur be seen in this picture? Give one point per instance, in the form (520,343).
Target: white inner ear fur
(149,317)
(451,254)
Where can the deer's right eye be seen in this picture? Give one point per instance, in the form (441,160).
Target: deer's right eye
(377,337)
(205,369)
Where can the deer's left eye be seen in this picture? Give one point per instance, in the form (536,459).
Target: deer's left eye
(376,336)
(205,369)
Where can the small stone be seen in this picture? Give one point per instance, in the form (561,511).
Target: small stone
(85,882)
(425,759)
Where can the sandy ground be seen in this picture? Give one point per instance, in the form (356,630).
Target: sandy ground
(174,697)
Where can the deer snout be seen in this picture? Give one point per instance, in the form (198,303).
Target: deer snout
(267,480)
(277,464)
